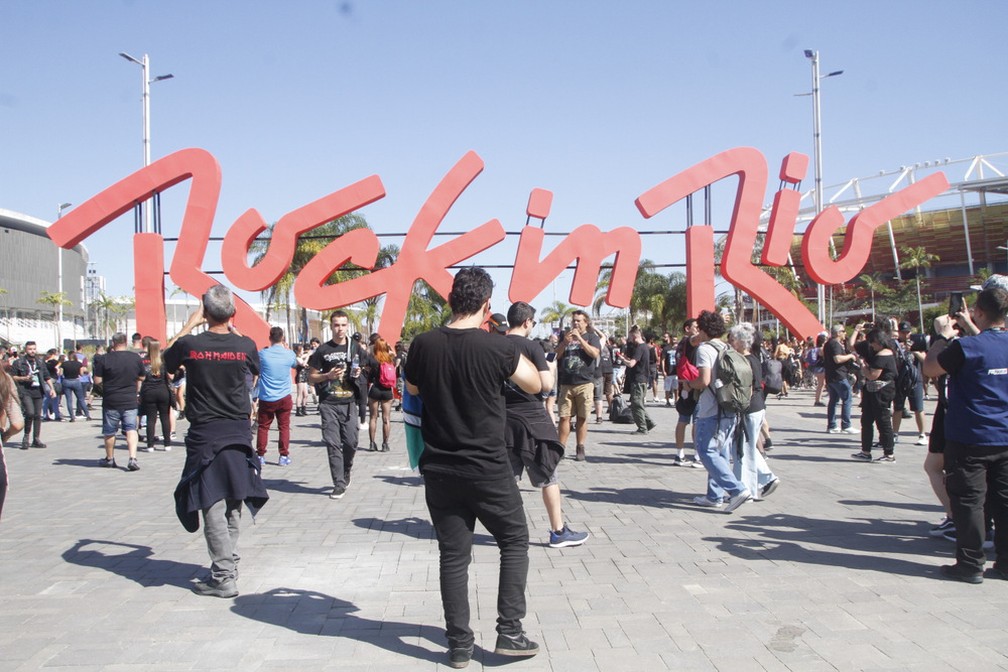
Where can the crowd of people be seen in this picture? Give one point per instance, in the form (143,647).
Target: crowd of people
(497,405)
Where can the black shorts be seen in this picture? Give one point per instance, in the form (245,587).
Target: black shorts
(936,442)
(378,394)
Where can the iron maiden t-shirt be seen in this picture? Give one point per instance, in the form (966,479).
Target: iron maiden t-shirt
(216,367)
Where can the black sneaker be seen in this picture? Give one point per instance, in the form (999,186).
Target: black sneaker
(38,444)
(997,572)
(515,645)
(346,478)
(958,573)
(459,657)
(107,462)
(132,464)
(942,527)
(677,461)
(25,444)
(337,492)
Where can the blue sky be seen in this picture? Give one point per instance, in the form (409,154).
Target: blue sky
(594,101)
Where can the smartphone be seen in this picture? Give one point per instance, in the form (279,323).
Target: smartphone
(955,303)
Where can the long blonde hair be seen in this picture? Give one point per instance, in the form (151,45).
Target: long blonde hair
(154,355)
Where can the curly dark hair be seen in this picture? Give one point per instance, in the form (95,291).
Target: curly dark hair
(711,324)
(470,290)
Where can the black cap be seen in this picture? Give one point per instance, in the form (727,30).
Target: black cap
(905,326)
(498,323)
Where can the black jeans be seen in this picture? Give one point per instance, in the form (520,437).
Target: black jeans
(975,476)
(455,504)
(32,407)
(876,411)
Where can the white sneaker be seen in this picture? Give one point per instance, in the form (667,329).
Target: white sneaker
(702,500)
(848,430)
(921,440)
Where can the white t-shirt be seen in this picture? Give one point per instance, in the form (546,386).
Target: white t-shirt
(706,356)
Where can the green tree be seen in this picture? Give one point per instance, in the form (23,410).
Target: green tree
(278,297)
(917,258)
(105,307)
(55,301)
(426,310)
(556,312)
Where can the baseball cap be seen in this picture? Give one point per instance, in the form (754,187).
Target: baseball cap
(905,326)
(995,281)
(498,323)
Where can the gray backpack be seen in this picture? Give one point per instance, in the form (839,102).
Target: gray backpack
(733,381)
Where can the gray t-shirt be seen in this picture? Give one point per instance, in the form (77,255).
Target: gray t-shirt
(706,356)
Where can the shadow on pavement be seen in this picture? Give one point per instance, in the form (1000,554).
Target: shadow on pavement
(909,506)
(132,562)
(656,497)
(863,544)
(415,527)
(313,613)
(294,487)
(414,481)
(77,462)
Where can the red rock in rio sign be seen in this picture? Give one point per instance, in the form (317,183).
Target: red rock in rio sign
(587,245)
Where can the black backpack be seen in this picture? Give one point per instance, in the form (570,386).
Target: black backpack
(907,375)
(619,412)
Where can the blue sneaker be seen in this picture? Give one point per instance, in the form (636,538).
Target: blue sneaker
(284,461)
(567,537)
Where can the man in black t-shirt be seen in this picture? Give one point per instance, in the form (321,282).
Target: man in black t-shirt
(837,362)
(32,378)
(527,411)
(637,359)
(120,373)
(335,371)
(576,353)
(220,472)
(459,371)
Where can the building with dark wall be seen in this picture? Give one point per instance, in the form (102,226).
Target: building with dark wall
(29,265)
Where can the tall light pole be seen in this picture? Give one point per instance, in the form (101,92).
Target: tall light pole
(145,66)
(59,279)
(817,150)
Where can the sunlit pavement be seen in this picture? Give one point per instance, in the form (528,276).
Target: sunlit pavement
(835,570)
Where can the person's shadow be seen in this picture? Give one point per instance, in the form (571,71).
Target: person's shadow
(132,562)
(312,613)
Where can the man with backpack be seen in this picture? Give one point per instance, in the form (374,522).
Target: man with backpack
(717,412)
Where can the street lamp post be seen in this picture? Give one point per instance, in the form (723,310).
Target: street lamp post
(145,66)
(59,281)
(817,150)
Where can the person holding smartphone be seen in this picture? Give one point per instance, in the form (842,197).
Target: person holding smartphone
(335,371)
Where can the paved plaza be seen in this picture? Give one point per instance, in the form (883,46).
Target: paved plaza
(834,571)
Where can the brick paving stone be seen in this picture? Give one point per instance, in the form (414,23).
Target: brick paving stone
(834,571)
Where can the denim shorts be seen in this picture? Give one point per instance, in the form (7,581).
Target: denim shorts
(113,418)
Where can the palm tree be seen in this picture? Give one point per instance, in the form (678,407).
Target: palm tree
(556,312)
(105,306)
(876,287)
(55,300)
(426,310)
(308,245)
(917,258)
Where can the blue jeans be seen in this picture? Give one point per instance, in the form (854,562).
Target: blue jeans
(839,391)
(713,441)
(74,387)
(455,504)
(50,405)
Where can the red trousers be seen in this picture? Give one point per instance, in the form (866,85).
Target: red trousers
(282,411)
